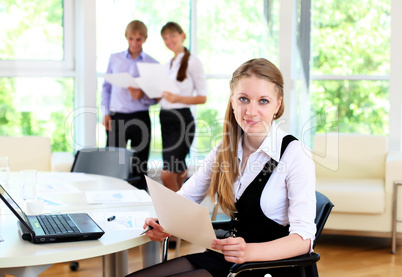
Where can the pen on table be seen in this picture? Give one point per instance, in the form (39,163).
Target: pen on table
(111,218)
(148,228)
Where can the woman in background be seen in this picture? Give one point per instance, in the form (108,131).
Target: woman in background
(177,122)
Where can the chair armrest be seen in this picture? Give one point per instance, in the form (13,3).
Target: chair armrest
(393,169)
(62,161)
(136,182)
(221,224)
(303,260)
(221,228)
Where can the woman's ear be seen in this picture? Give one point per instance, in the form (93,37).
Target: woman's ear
(279,105)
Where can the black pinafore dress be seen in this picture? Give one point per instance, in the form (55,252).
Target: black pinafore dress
(249,222)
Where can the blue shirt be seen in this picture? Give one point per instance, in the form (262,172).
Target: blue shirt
(117,99)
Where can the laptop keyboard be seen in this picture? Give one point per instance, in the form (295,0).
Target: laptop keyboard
(57,224)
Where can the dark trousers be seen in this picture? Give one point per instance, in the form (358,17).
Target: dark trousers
(135,127)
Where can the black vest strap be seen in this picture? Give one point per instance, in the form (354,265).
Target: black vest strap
(285,142)
(272,164)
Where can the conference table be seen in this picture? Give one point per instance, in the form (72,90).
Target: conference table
(78,192)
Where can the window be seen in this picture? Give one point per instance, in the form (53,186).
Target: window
(230,32)
(351,50)
(226,38)
(36,69)
(349,65)
(31,30)
(221,43)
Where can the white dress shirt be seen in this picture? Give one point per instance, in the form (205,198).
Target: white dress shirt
(288,196)
(195,80)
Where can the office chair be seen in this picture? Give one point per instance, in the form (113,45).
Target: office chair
(110,161)
(306,262)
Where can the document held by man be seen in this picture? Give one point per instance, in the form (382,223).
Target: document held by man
(180,216)
(153,80)
(123,80)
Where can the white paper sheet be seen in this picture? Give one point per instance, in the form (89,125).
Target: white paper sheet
(181,217)
(117,196)
(123,80)
(56,187)
(64,177)
(123,220)
(154,79)
(49,202)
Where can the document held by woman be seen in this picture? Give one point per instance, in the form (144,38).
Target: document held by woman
(180,216)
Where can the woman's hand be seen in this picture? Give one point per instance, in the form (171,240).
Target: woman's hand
(171,97)
(136,93)
(156,233)
(234,249)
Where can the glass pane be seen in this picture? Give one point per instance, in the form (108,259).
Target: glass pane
(350,38)
(114,15)
(351,106)
(210,118)
(231,32)
(111,39)
(156,135)
(31,30)
(37,107)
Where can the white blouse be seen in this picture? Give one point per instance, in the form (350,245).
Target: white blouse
(288,196)
(195,81)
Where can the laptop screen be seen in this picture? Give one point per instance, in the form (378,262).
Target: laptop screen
(13,205)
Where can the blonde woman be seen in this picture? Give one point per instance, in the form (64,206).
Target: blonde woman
(262,178)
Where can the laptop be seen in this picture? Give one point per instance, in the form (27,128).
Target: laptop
(53,227)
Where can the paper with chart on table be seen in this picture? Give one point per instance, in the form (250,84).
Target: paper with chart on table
(180,216)
(123,220)
(117,196)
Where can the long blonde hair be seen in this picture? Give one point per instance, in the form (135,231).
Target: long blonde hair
(226,167)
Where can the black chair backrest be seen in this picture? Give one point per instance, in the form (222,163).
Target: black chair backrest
(323,209)
(109,161)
